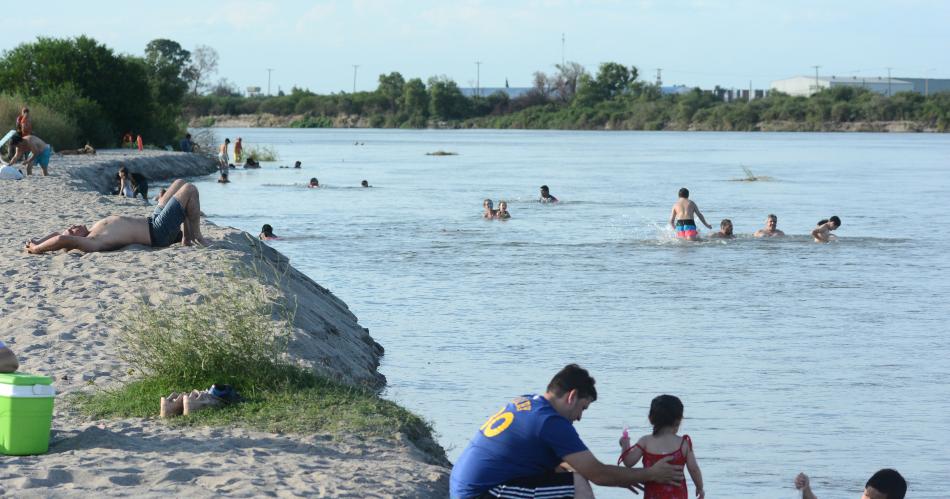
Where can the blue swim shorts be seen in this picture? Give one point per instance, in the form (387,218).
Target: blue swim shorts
(43,158)
(165,223)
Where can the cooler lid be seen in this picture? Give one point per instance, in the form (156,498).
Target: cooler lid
(21,379)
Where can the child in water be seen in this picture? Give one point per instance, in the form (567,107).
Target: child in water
(822,233)
(666,414)
(489,209)
(267,233)
(502,213)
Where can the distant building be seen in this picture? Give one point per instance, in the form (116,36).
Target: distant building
(253,91)
(513,92)
(807,85)
(928,86)
(676,90)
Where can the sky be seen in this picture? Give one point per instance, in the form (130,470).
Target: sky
(701,43)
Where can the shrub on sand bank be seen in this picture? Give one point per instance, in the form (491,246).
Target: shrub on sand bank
(238,334)
(53,127)
(262,153)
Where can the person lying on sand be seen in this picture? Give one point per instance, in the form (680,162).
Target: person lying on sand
(87,149)
(725,230)
(176,215)
(8,362)
(822,233)
(770,230)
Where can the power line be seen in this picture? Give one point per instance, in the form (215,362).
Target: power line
(816,79)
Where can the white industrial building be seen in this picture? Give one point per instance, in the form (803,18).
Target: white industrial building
(807,85)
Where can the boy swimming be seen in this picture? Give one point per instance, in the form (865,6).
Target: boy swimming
(681,218)
(822,233)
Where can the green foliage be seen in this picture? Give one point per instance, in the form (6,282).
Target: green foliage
(313,122)
(49,122)
(446,101)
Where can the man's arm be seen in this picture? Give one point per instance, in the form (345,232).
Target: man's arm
(17,152)
(67,243)
(673,217)
(606,475)
(8,362)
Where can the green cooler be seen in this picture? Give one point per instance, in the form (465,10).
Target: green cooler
(26,413)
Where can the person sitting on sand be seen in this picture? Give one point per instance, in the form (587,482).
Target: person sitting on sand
(314,183)
(770,230)
(822,233)
(186,145)
(364,183)
(502,213)
(681,218)
(725,230)
(489,207)
(546,196)
(519,450)
(131,184)
(40,152)
(8,362)
(297,164)
(885,484)
(175,216)
(267,233)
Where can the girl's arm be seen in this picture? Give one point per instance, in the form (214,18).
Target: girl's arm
(695,473)
(633,454)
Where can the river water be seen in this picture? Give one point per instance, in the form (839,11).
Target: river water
(788,355)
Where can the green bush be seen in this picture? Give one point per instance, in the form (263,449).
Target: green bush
(53,127)
(262,153)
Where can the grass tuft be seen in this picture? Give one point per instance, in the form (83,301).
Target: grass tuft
(262,153)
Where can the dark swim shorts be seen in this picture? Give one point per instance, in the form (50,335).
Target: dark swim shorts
(165,223)
(551,485)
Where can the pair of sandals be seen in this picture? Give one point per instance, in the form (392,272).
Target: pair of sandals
(177,404)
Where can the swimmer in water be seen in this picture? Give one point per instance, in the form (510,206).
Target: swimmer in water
(822,233)
(489,209)
(546,196)
(502,213)
(267,233)
(771,222)
(297,165)
(364,183)
(314,183)
(681,218)
(223,179)
(725,230)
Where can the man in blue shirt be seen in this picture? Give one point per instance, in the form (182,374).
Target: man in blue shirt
(520,451)
(8,362)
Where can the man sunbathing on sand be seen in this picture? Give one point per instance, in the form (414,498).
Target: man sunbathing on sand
(178,208)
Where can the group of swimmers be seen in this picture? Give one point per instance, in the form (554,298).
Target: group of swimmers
(684,211)
(489,211)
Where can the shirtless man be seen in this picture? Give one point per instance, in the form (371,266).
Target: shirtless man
(771,222)
(822,233)
(681,219)
(178,208)
(546,196)
(223,164)
(32,144)
(725,230)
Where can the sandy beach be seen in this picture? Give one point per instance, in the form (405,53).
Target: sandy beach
(58,313)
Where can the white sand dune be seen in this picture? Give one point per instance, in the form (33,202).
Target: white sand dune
(58,313)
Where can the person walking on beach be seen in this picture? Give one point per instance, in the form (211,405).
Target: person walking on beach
(176,216)
(24,125)
(770,229)
(725,230)
(666,414)
(546,196)
(238,151)
(520,450)
(885,484)
(8,361)
(223,163)
(681,219)
(822,233)
(40,152)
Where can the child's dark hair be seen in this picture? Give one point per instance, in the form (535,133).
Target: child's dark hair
(573,377)
(665,411)
(835,220)
(890,482)
(684,193)
(267,229)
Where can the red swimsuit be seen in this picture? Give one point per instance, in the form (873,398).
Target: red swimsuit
(661,490)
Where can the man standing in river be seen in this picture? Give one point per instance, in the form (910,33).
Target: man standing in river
(521,450)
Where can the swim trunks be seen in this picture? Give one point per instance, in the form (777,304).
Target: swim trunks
(551,485)
(686,228)
(163,225)
(43,158)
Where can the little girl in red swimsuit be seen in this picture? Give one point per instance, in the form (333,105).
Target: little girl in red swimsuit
(666,414)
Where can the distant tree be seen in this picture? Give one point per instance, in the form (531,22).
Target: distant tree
(225,88)
(391,88)
(204,63)
(566,81)
(612,80)
(445,99)
(415,99)
(167,62)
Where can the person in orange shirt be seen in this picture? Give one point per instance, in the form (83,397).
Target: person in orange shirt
(24,124)
(238,152)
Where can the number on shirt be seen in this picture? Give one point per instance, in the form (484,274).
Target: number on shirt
(497,423)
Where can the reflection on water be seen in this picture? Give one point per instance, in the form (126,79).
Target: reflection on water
(788,355)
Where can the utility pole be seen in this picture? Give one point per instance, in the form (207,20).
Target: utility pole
(750,90)
(562,49)
(268,79)
(355,67)
(816,78)
(659,79)
(478,78)
(889,81)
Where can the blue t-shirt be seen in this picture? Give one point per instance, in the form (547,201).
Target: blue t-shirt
(526,438)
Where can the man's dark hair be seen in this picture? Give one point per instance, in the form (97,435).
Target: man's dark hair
(267,229)
(544,188)
(836,221)
(684,193)
(573,377)
(888,482)
(725,221)
(772,217)
(16,139)
(187,135)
